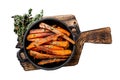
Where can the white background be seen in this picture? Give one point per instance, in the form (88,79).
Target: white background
(97,62)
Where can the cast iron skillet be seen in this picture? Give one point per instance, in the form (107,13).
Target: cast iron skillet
(49,21)
(94,36)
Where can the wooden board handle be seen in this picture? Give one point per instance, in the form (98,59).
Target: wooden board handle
(102,35)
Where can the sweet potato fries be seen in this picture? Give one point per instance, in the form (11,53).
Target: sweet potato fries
(49,44)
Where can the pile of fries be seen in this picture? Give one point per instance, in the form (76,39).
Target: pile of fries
(49,44)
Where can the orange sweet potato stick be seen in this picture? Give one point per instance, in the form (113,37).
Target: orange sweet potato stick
(52,47)
(34,31)
(38,35)
(42,41)
(53,52)
(63,31)
(62,52)
(64,44)
(43,62)
(38,55)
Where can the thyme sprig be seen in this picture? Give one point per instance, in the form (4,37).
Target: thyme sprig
(23,22)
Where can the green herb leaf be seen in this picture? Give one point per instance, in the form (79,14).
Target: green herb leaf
(23,22)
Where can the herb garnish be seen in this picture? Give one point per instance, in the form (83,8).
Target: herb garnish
(22,23)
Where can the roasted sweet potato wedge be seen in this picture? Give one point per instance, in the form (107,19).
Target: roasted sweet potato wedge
(63,31)
(43,62)
(42,41)
(34,31)
(53,52)
(52,47)
(38,35)
(64,44)
(41,55)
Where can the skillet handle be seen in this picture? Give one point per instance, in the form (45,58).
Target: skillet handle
(102,35)
(21,56)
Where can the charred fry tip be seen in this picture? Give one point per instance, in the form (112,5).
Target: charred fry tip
(42,25)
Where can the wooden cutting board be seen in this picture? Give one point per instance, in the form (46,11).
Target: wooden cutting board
(102,35)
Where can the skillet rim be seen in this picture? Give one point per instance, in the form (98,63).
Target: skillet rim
(26,53)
